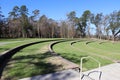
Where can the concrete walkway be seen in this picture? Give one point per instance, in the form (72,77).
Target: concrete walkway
(62,75)
(109,72)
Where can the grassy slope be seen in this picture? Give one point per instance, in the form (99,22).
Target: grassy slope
(12,43)
(111,50)
(21,39)
(80,49)
(32,60)
(29,62)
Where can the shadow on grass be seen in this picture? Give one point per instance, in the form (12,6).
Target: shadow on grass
(63,75)
(22,68)
(4,58)
(4,49)
(29,65)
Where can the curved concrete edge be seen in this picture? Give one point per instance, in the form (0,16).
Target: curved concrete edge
(52,44)
(75,67)
(6,56)
(73,42)
(88,42)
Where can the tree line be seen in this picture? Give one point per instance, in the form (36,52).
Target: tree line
(20,24)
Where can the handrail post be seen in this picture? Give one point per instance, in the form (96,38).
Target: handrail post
(81,62)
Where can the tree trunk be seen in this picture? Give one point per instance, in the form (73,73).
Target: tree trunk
(89,30)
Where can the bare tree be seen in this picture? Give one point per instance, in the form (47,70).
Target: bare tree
(105,23)
(114,23)
(64,29)
(72,22)
(97,21)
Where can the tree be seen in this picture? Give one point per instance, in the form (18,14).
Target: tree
(14,14)
(14,22)
(72,19)
(64,30)
(1,23)
(71,16)
(36,13)
(20,24)
(33,20)
(18,19)
(1,15)
(81,23)
(52,28)
(97,21)
(114,23)
(87,16)
(105,24)
(85,20)
(42,26)
(24,20)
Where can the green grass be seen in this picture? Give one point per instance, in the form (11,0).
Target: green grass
(17,39)
(94,49)
(20,39)
(12,43)
(28,62)
(110,50)
(32,60)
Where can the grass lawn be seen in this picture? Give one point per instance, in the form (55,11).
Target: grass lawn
(35,59)
(28,62)
(111,50)
(7,44)
(93,48)
(21,39)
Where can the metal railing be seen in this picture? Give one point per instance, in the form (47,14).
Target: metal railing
(81,68)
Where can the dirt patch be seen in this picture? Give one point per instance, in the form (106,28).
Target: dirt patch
(44,49)
(63,63)
(58,60)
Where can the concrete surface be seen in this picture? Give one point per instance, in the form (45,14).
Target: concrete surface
(109,72)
